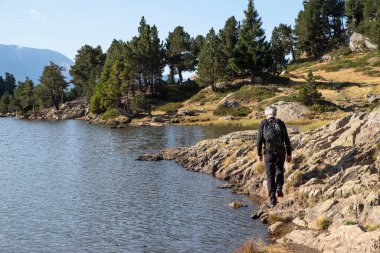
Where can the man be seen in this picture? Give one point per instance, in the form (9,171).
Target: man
(274,136)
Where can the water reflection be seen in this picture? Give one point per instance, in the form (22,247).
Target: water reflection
(73,187)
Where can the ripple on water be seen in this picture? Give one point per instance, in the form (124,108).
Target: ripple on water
(73,187)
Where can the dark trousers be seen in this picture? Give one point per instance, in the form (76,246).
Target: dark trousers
(274,167)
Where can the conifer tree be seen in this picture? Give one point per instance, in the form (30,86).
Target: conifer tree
(229,37)
(179,54)
(87,69)
(252,51)
(53,83)
(282,44)
(211,61)
(24,95)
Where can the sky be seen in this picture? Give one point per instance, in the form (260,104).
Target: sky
(66,25)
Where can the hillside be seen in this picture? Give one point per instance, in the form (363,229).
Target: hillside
(29,62)
(347,81)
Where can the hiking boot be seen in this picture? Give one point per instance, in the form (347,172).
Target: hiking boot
(272,202)
(280,194)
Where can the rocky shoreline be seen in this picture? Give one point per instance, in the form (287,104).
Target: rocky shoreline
(332,201)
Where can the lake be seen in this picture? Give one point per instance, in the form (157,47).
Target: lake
(73,187)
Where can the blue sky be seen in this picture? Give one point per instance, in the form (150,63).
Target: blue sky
(66,25)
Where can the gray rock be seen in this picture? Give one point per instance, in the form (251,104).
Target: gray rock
(373,98)
(359,42)
(291,110)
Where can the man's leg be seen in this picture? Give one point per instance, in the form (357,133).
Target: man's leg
(270,168)
(280,169)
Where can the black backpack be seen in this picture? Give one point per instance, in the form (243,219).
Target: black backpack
(273,136)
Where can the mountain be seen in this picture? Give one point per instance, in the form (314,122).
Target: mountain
(29,62)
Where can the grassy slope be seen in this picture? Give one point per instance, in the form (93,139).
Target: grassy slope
(357,74)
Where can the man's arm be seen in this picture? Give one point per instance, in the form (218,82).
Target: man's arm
(288,145)
(260,141)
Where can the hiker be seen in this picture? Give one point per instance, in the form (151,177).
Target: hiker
(274,136)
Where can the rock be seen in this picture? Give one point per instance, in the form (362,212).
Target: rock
(188,112)
(373,98)
(327,58)
(235,84)
(273,229)
(359,42)
(290,110)
(154,157)
(229,102)
(157,119)
(285,72)
(227,118)
(236,204)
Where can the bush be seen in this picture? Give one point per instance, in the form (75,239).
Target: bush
(169,107)
(321,106)
(111,114)
(350,223)
(140,104)
(240,111)
(178,92)
(253,93)
(309,94)
(323,223)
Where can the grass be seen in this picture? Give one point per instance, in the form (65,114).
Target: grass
(250,246)
(259,168)
(314,125)
(240,111)
(296,179)
(376,152)
(350,223)
(302,64)
(323,223)
(255,93)
(372,227)
(172,106)
(208,95)
(254,124)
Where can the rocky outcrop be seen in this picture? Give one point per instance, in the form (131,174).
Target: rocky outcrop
(70,110)
(359,42)
(332,186)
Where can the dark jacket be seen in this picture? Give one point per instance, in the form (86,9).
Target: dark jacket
(261,139)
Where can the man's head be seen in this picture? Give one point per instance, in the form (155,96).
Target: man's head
(270,111)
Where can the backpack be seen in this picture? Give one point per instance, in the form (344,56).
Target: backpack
(273,136)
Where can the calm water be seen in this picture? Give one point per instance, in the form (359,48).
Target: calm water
(73,187)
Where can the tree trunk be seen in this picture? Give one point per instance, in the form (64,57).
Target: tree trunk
(180,76)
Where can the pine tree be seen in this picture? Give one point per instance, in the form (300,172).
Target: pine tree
(2,86)
(252,51)
(179,54)
(282,44)
(229,37)
(354,11)
(9,83)
(87,69)
(211,61)
(24,96)
(199,41)
(53,83)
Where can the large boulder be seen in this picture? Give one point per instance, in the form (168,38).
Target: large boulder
(290,110)
(358,42)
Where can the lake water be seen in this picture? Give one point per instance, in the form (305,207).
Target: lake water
(73,187)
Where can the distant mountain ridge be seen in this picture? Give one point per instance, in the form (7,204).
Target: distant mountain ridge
(29,62)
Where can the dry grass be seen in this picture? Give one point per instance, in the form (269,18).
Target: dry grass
(251,246)
(314,125)
(259,168)
(323,223)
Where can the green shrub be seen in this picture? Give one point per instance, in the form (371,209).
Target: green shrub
(140,104)
(253,93)
(169,107)
(111,114)
(322,106)
(350,223)
(240,111)
(309,94)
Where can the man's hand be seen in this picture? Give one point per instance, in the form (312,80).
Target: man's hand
(288,158)
(260,158)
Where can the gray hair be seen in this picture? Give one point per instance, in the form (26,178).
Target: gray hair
(270,111)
